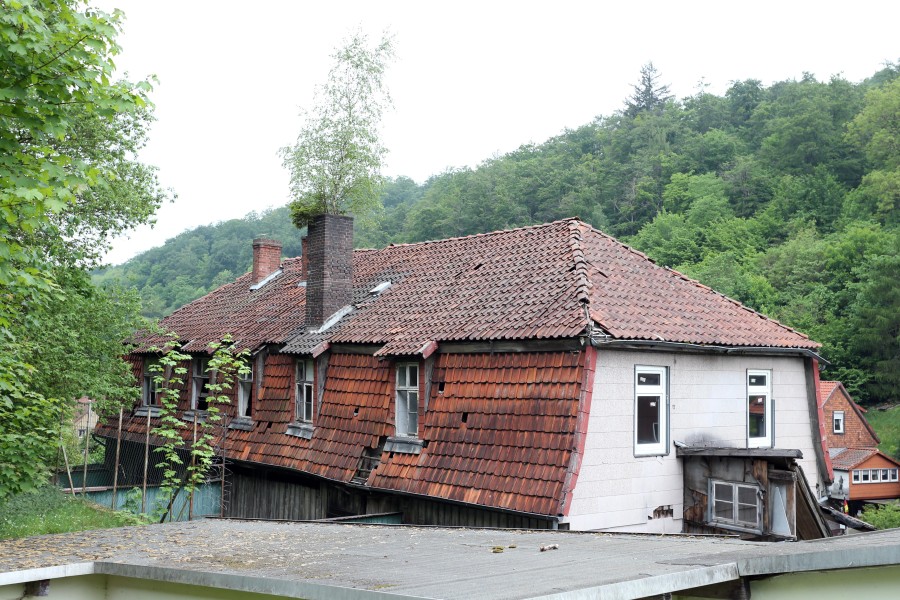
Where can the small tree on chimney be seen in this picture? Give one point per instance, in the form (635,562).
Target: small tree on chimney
(336,162)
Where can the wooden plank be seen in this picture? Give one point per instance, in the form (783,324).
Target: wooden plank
(740,452)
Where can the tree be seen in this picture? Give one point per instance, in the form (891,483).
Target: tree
(68,181)
(336,162)
(649,95)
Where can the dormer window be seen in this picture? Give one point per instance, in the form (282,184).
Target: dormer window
(151,392)
(305,397)
(201,377)
(245,394)
(407,422)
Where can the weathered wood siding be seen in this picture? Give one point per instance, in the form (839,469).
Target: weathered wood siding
(261,494)
(707,404)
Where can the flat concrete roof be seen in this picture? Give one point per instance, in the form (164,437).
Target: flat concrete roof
(332,560)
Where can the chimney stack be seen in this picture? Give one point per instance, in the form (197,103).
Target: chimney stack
(266,258)
(329,284)
(304,258)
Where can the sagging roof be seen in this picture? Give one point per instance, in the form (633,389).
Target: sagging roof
(540,282)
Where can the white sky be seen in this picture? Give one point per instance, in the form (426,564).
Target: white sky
(472,79)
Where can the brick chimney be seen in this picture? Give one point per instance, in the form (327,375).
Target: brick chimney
(329,285)
(304,258)
(266,258)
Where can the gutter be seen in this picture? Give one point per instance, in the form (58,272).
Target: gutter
(606,341)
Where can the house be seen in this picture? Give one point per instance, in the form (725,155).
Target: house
(544,377)
(847,426)
(228,559)
(861,472)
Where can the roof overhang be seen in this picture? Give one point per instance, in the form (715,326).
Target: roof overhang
(635,344)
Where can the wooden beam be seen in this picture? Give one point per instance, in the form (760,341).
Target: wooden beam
(740,452)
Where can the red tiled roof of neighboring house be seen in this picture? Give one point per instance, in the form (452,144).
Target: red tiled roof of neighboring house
(825,390)
(535,282)
(852,457)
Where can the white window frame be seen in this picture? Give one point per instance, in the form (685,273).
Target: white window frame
(201,376)
(767,439)
(245,394)
(150,390)
(837,420)
(866,476)
(734,521)
(305,395)
(644,391)
(407,400)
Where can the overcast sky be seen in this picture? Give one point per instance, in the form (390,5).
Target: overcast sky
(471,79)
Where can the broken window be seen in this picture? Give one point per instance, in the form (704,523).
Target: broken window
(201,384)
(245,394)
(151,391)
(651,411)
(735,504)
(759,409)
(408,399)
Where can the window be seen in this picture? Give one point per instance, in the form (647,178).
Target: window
(735,504)
(651,411)
(838,421)
(201,381)
(150,390)
(874,475)
(408,400)
(759,409)
(245,394)
(303,402)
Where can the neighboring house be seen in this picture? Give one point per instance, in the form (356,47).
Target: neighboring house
(546,376)
(846,424)
(864,474)
(861,472)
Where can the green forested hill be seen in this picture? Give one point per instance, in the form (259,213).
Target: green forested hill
(784,197)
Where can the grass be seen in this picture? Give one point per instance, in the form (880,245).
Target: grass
(886,424)
(48,510)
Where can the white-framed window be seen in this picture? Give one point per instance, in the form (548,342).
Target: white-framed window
(651,411)
(838,421)
(874,475)
(759,409)
(151,392)
(408,399)
(735,504)
(245,394)
(304,400)
(201,377)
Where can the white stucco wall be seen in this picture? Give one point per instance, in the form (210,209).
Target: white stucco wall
(618,491)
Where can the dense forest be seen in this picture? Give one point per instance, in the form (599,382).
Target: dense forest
(784,197)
